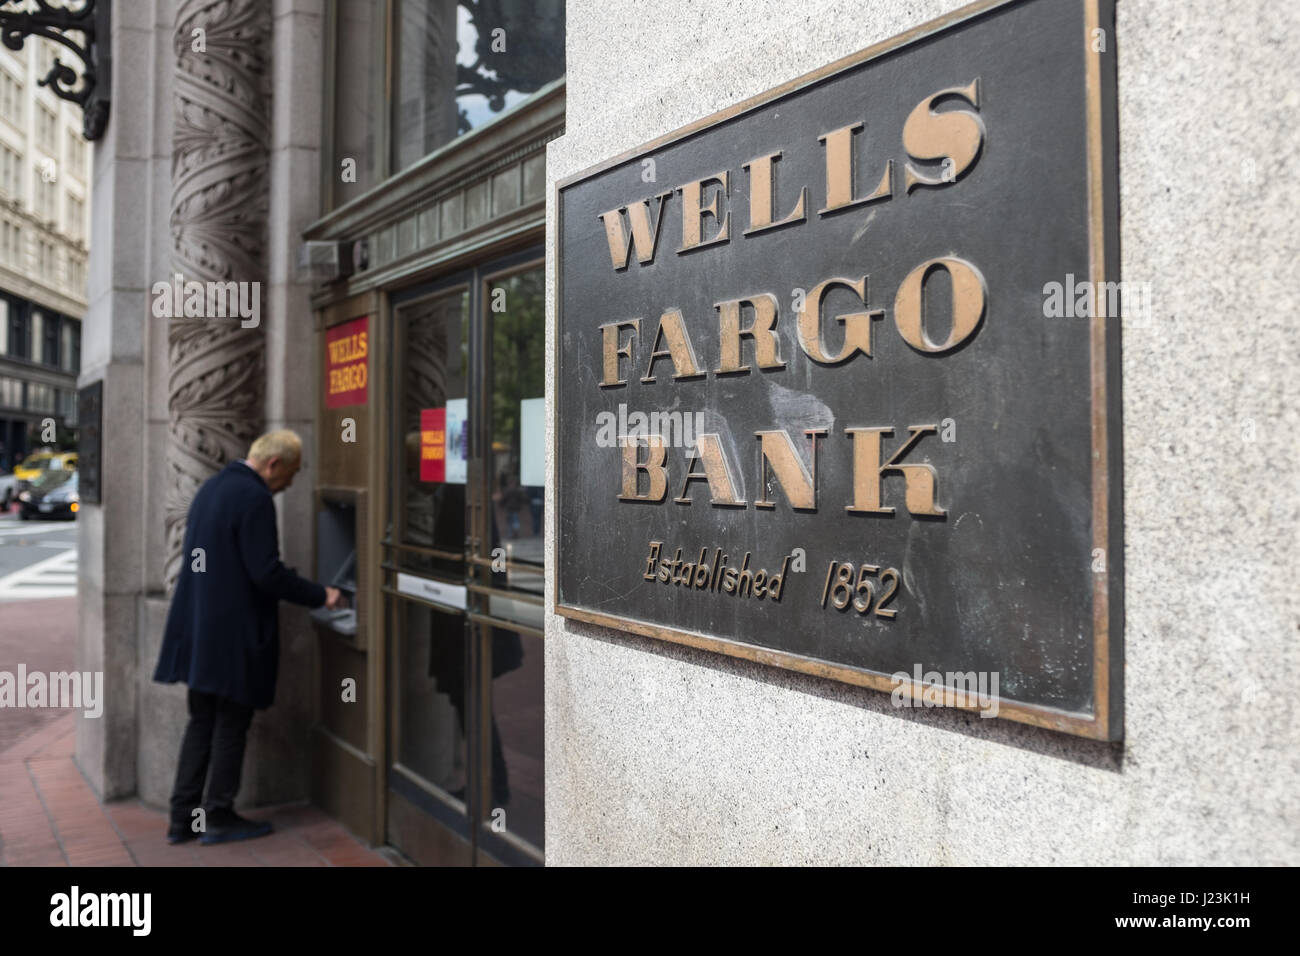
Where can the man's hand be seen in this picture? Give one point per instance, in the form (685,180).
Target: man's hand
(333,598)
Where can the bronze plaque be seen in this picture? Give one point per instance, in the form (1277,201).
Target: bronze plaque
(838,369)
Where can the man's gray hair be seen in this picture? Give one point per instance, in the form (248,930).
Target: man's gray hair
(281,443)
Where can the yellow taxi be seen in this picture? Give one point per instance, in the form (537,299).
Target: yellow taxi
(40,462)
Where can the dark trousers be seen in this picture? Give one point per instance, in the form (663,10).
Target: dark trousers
(212,751)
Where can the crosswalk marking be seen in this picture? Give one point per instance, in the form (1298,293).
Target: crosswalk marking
(56,576)
(13,529)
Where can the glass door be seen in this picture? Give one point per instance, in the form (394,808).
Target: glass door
(507,559)
(424,572)
(463,567)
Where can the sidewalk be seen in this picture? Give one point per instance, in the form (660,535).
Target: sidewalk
(42,634)
(49,816)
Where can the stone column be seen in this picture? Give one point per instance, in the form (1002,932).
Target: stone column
(221,128)
(111,546)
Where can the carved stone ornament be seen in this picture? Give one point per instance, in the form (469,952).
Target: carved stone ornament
(219,205)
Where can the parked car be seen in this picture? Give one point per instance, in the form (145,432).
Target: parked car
(8,490)
(41,462)
(53,495)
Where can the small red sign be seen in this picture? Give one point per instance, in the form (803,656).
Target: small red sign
(347,363)
(433,444)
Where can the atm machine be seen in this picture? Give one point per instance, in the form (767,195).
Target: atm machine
(336,562)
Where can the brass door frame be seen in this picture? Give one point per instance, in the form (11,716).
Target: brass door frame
(475,280)
(505,846)
(395,776)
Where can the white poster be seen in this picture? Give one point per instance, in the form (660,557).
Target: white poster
(457,441)
(532,451)
(532,442)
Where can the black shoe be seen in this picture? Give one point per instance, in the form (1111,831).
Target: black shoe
(181,832)
(229,826)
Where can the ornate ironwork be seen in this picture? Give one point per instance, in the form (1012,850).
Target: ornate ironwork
(54,23)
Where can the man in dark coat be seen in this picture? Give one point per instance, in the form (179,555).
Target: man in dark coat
(222,636)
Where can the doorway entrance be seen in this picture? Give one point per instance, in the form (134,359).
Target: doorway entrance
(463,565)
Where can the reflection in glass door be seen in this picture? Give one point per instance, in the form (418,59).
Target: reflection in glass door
(424,569)
(507,594)
(464,567)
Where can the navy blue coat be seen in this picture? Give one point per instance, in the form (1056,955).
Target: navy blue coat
(223,635)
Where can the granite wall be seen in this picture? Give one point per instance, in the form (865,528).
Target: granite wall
(656,753)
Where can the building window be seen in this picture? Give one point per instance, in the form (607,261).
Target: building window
(17,332)
(40,397)
(46,259)
(37,336)
(11,98)
(11,393)
(77,275)
(11,245)
(76,153)
(11,173)
(453,68)
(70,347)
(76,218)
(50,352)
(460,67)
(47,124)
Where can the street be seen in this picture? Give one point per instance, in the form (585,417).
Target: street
(38,559)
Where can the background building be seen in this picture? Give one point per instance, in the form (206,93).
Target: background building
(44,222)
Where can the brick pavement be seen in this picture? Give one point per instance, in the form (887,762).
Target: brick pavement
(49,816)
(42,635)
